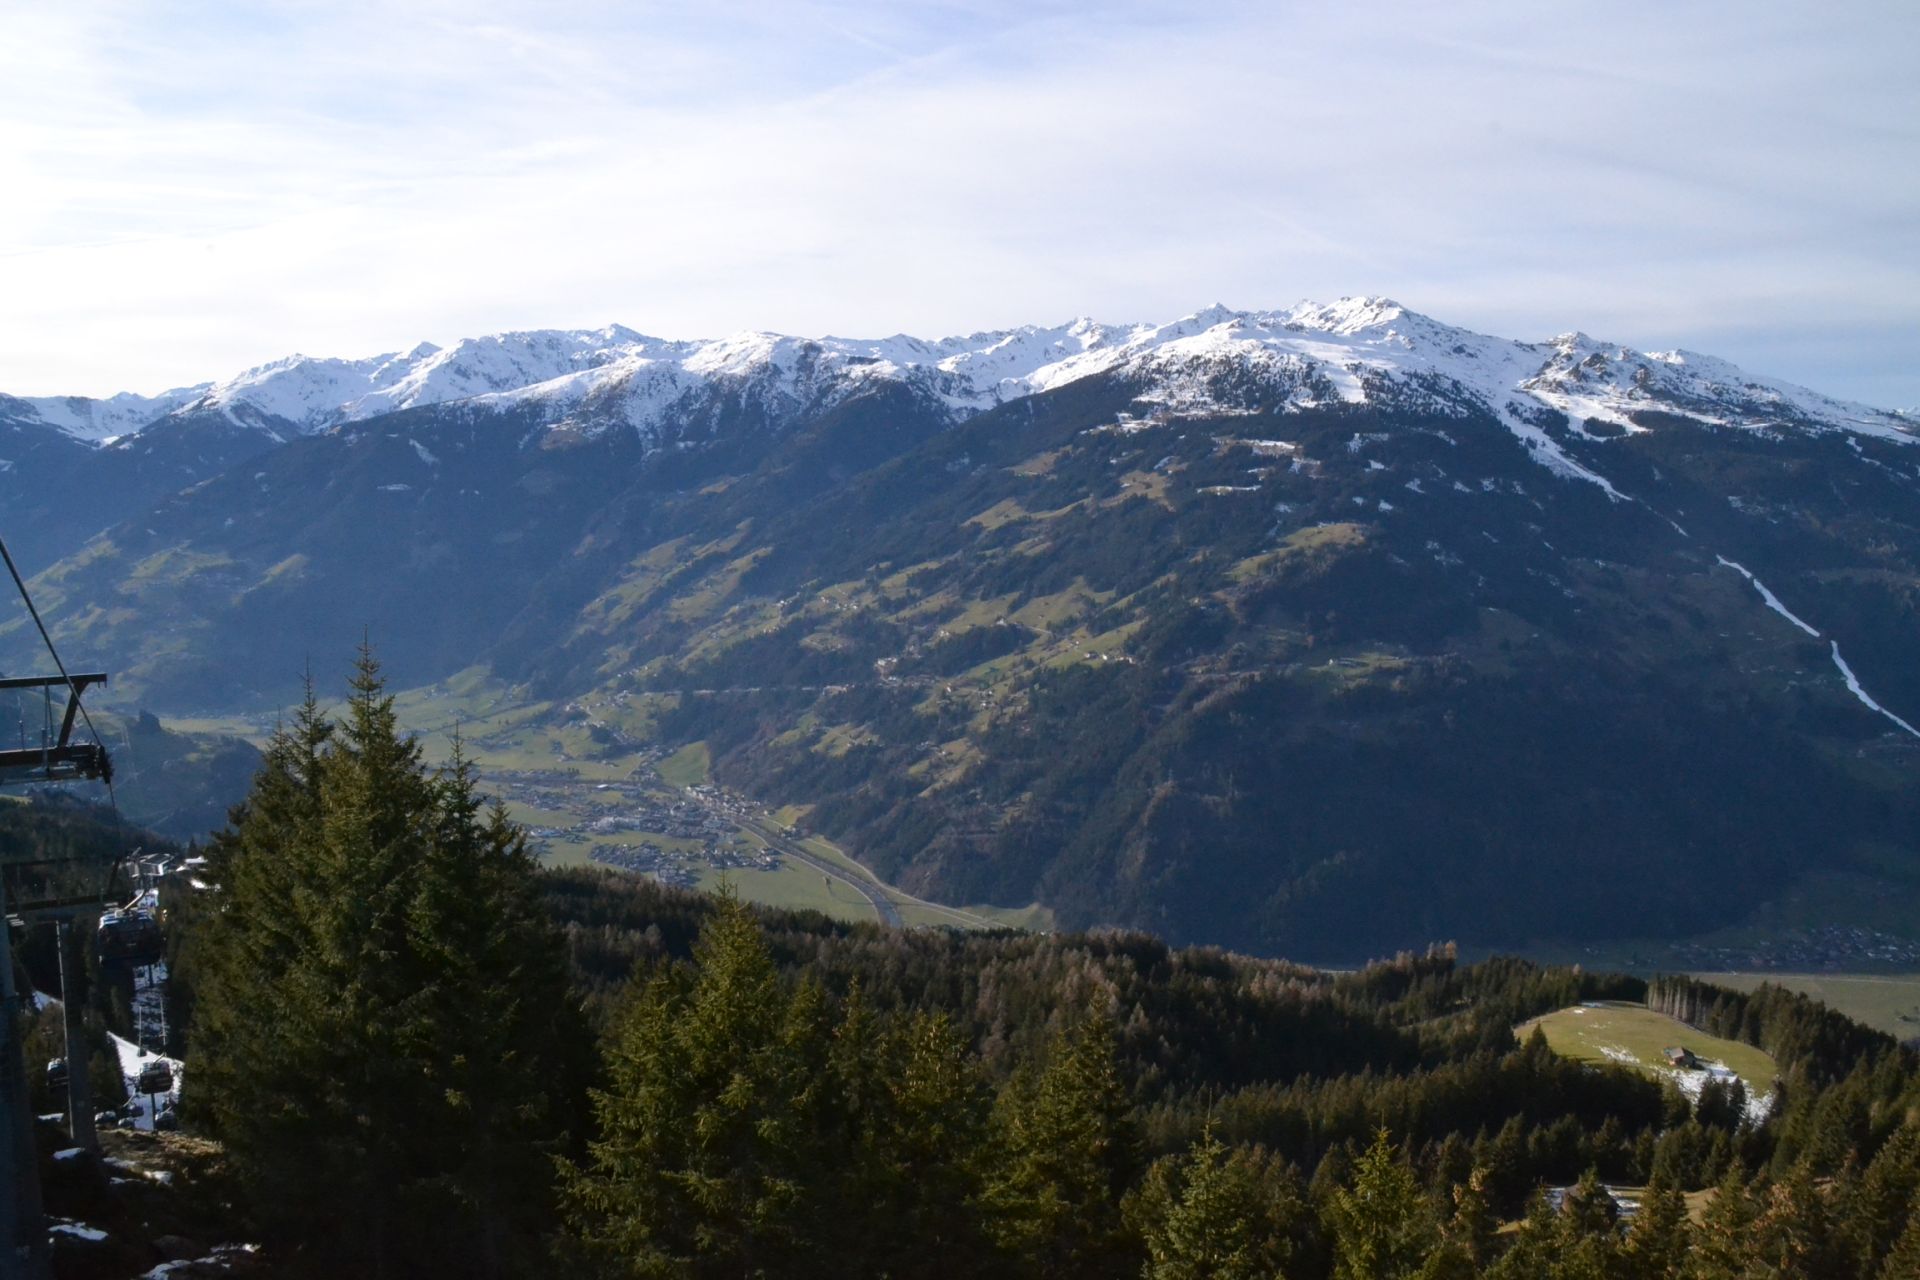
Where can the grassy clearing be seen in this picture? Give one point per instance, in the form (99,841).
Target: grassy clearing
(1151,485)
(1886,1002)
(794,886)
(918,912)
(1633,1035)
(1033,918)
(687,766)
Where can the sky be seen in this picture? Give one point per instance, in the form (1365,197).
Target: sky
(191,189)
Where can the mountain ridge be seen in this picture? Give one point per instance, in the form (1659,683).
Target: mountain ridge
(1358,337)
(1290,630)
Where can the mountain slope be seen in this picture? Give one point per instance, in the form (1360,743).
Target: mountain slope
(1326,630)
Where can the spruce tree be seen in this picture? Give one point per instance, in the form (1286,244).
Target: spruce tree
(1383,1228)
(1587,1232)
(1472,1228)
(1535,1248)
(1886,1196)
(1903,1263)
(1211,1215)
(920,1144)
(709,1159)
(1067,1153)
(1794,1234)
(382,1036)
(1658,1243)
(1724,1244)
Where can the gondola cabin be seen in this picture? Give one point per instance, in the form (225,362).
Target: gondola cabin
(129,937)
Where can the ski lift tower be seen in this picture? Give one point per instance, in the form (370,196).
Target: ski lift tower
(35,888)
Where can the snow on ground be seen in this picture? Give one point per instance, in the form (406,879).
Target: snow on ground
(79,1230)
(1773,601)
(1846,672)
(1853,684)
(221,1255)
(132,1059)
(1355,350)
(149,1020)
(100,421)
(1692,1082)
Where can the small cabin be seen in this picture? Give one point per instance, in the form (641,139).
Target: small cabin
(1681,1058)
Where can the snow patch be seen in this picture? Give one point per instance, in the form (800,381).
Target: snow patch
(1853,685)
(79,1230)
(1773,601)
(132,1060)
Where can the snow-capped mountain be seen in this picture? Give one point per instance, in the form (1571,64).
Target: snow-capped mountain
(1355,350)
(1194,589)
(95,422)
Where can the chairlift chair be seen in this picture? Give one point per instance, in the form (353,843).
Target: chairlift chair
(155,1077)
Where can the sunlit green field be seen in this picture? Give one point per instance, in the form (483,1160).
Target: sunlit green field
(1633,1035)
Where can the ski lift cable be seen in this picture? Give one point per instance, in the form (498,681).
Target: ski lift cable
(73,690)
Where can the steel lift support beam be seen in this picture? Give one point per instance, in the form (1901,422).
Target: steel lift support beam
(59,759)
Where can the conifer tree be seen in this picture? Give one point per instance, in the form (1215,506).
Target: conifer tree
(1886,1196)
(1793,1234)
(1213,1214)
(1588,1209)
(910,1106)
(1903,1263)
(929,1151)
(1472,1228)
(1724,1245)
(709,1154)
(1383,1228)
(1535,1248)
(382,1031)
(1658,1243)
(1067,1154)
(1587,1232)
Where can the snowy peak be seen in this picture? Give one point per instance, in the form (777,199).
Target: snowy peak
(1348,315)
(1353,350)
(95,422)
(313,394)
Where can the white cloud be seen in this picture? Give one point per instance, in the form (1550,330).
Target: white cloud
(193,194)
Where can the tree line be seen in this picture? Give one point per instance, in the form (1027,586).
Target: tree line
(425,1056)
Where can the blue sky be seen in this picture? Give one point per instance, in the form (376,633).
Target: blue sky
(194,188)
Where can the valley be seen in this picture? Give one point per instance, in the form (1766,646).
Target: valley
(1324,632)
(648,811)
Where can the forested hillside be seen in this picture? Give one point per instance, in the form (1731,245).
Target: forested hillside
(414,1053)
(1326,633)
